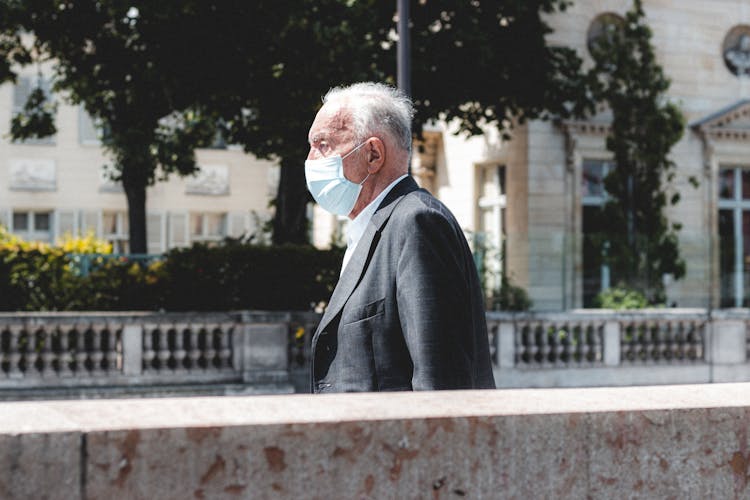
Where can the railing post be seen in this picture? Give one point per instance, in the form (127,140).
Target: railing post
(611,343)
(132,350)
(728,342)
(265,353)
(506,344)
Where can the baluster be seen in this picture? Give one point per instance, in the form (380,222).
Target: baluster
(626,342)
(16,354)
(96,355)
(698,336)
(4,353)
(537,343)
(110,335)
(520,336)
(64,358)
(568,353)
(179,353)
(47,355)
(679,345)
(693,338)
(583,349)
(163,353)
(33,353)
(226,345)
(492,340)
(583,346)
(597,342)
(148,349)
(665,342)
(194,353)
(644,341)
(210,351)
(82,348)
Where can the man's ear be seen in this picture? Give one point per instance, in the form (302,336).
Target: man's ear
(375,154)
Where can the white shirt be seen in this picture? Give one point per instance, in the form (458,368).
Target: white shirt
(358,225)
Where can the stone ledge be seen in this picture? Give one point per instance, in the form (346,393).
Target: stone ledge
(103,415)
(666,441)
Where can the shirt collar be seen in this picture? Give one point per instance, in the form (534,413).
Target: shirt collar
(358,225)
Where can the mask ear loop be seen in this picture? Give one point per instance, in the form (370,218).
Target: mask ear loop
(353,150)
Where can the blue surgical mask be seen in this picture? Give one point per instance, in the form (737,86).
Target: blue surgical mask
(328,186)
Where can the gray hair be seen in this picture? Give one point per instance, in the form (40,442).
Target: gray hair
(376,107)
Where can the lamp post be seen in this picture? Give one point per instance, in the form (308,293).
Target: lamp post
(403,61)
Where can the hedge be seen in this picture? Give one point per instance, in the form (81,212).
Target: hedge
(231,276)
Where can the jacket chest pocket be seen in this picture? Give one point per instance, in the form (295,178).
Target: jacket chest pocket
(362,313)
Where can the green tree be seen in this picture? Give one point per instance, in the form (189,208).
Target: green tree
(161,76)
(642,244)
(482,64)
(103,62)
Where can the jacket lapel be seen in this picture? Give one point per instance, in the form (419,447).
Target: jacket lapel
(360,259)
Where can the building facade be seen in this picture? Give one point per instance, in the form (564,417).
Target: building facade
(536,196)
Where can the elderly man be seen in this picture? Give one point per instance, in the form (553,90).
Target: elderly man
(407,311)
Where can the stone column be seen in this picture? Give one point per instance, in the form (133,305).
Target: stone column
(506,345)
(611,343)
(728,342)
(132,350)
(265,353)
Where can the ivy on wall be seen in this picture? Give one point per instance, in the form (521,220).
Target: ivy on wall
(639,243)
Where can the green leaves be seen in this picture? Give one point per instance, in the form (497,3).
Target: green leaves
(643,245)
(37,120)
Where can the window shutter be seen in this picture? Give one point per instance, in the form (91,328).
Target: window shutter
(238,223)
(178,230)
(5,218)
(91,221)
(88,132)
(66,223)
(21,91)
(155,233)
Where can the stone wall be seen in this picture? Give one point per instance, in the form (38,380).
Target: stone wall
(649,442)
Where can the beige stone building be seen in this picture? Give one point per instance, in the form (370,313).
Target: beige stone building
(532,198)
(54,186)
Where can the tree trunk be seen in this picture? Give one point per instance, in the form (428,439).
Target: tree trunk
(135,191)
(290,223)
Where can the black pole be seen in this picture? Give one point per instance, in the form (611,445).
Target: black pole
(404,52)
(404,49)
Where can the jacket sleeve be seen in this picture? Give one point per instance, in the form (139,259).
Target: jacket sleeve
(434,301)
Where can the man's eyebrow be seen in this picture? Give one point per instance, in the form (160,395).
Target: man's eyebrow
(316,138)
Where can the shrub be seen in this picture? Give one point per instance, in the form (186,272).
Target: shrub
(621,298)
(240,276)
(80,274)
(38,276)
(509,297)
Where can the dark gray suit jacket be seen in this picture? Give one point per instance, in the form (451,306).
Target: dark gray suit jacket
(407,313)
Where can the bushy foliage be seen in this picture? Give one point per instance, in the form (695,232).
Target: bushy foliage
(642,242)
(621,298)
(240,276)
(37,276)
(81,274)
(509,297)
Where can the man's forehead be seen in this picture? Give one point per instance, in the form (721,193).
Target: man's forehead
(329,120)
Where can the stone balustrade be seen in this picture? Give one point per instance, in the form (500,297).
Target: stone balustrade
(636,442)
(97,354)
(603,348)
(105,354)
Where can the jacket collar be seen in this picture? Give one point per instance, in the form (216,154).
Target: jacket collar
(361,257)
